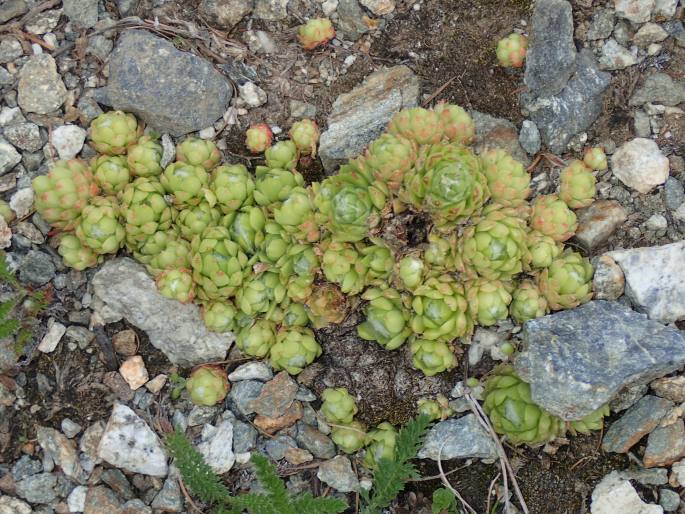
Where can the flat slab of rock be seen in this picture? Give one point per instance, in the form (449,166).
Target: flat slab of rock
(640,165)
(217,446)
(40,88)
(360,116)
(492,132)
(615,494)
(637,422)
(659,88)
(665,445)
(655,279)
(174,328)
(577,360)
(597,222)
(338,473)
(462,438)
(173,91)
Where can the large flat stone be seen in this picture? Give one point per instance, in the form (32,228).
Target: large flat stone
(462,438)
(637,422)
(577,360)
(173,91)
(173,327)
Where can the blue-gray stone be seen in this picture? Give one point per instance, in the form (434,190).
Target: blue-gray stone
(462,438)
(241,396)
(639,420)
(172,91)
(529,137)
(244,437)
(277,446)
(579,359)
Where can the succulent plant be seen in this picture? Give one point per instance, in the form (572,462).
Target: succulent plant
(198,152)
(111,173)
(417,124)
(6,212)
(409,272)
(437,409)
(144,157)
(305,135)
(387,318)
(296,215)
(258,137)
(552,217)
(99,227)
(327,304)
(247,228)
(440,310)
(112,132)
(219,265)
(295,349)
(595,158)
(527,302)
(389,158)
(511,50)
(295,315)
(153,246)
(342,265)
(349,438)
(316,32)
(488,300)
(177,284)
(275,243)
(577,185)
(232,186)
(186,182)
(508,180)
(257,338)
(297,269)
(457,125)
(174,255)
(145,210)
(61,195)
(441,253)
(338,406)
(380,445)
(513,413)
(593,421)
(207,385)
(75,254)
(261,294)
(219,316)
(282,155)
(379,261)
(193,220)
(432,357)
(567,282)
(274,185)
(543,249)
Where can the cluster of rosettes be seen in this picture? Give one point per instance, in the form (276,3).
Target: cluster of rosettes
(267,256)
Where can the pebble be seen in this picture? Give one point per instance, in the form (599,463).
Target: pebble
(170,498)
(115,479)
(598,222)
(82,13)
(260,42)
(642,123)
(201,414)
(669,500)
(101,499)
(277,446)
(70,428)
(68,140)
(665,8)
(62,451)
(5,234)
(9,157)
(379,7)
(679,214)
(665,445)
(53,336)
(615,494)
(44,22)
(25,467)
(40,88)
(656,223)
(640,165)
(276,396)
(25,136)
(255,370)
(271,425)
(616,57)
(297,456)
(156,384)
(22,202)
(337,473)
(39,488)
(10,49)
(649,33)
(492,132)
(653,476)
(351,24)
(76,501)
(602,25)
(125,342)
(638,421)
(29,231)
(529,137)
(12,9)
(672,388)
(252,94)
(80,335)
(134,372)
(317,443)
(462,438)
(637,11)
(659,88)
(271,10)
(217,446)
(225,13)
(677,478)
(241,395)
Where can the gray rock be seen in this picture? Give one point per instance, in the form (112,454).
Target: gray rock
(6,78)
(276,396)
(43,22)
(637,11)
(8,357)
(172,91)
(462,438)
(578,360)
(244,437)
(12,9)
(358,117)
(659,88)
(40,488)
(299,109)
(655,279)
(669,500)
(628,397)
(127,7)
(241,396)
(665,445)
(76,501)
(79,335)
(89,108)
(616,57)
(40,88)
(11,505)
(551,56)
(36,268)
(351,20)
(100,46)
(70,428)
(10,49)
(615,494)
(640,165)
(82,13)
(673,193)
(255,370)
(9,157)
(226,13)
(62,451)
(572,110)
(25,467)
(597,222)
(602,25)
(654,476)
(642,124)
(656,223)
(492,132)
(115,479)
(638,421)
(649,33)
(136,507)
(101,499)
(201,414)
(169,499)
(25,136)
(277,446)
(271,10)
(318,444)
(338,473)
(529,137)
(174,328)
(217,446)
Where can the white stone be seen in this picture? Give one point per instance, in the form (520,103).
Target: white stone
(637,11)
(656,222)
(252,94)
(62,451)
(217,446)
(53,336)
(129,443)
(10,116)
(678,474)
(9,505)
(68,140)
(616,57)
(134,372)
(665,8)
(614,495)
(255,370)
(76,501)
(207,133)
(679,214)
(5,234)
(22,202)
(156,384)
(9,157)
(329,7)
(654,279)
(654,49)
(649,33)
(640,165)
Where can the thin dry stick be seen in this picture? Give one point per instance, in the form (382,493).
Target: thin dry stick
(492,484)
(436,477)
(446,483)
(188,498)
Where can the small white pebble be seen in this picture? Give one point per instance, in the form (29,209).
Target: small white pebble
(275,129)
(207,133)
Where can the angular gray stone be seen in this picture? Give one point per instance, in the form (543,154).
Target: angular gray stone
(217,446)
(338,473)
(9,505)
(82,13)
(12,9)
(614,495)
(602,25)
(492,132)
(9,157)
(462,438)
(572,110)
(271,10)
(174,328)
(244,437)
(637,11)
(62,451)
(40,488)
(659,88)
(172,91)
(318,444)
(640,165)
(529,137)
(597,222)
(25,136)
(255,370)
(360,116)
(655,279)
(225,13)
(673,193)
(669,500)
(665,445)
(551,56)
(638,421)
(40,88)
(616,57)
(351,20)
(36,268)
(277,446)
(577,360)
(169,499)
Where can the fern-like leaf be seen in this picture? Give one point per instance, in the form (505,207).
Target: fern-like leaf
(197,474)
(268,477)
(9,327)
(5,274)
(258,504)
(307,503)
(392,475)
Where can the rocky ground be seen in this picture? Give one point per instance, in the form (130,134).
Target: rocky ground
(85,395)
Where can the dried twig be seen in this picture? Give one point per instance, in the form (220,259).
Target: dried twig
(189,500)
(446,483)
(438,91)
(492,485)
